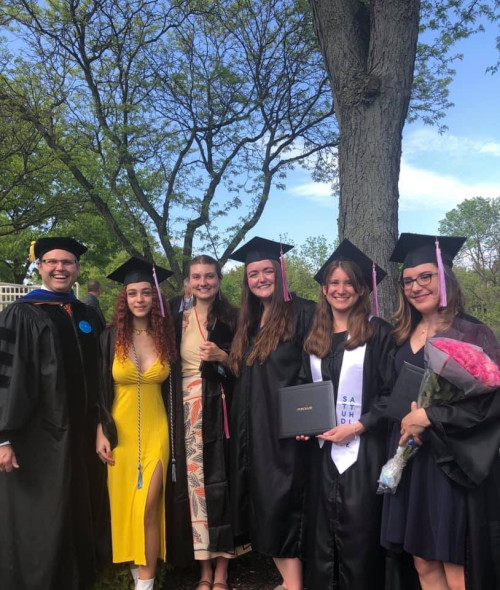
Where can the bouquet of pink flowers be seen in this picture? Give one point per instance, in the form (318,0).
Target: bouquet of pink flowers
(455,369)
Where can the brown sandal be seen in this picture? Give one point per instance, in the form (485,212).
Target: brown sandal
(221,585)
(204,583)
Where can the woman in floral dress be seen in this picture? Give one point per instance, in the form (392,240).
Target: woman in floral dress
(199,510)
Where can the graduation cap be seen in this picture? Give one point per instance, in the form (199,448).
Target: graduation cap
(349,252)
(372,273)
(137,270)
(415,249)
(43,245)
(262,249)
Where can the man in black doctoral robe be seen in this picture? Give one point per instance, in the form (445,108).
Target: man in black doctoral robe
(50,484)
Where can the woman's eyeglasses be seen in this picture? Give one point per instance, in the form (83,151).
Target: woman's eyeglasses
(423,280)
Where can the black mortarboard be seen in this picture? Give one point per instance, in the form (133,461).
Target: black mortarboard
(137,270)
(415,249)
(349,252)
(43,245)
(259,249)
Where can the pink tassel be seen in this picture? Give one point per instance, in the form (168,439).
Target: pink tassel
(374,289)
(443,301)
(286,292)
(224,413)
(162,309)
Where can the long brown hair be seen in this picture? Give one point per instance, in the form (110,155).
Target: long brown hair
(221,309)
(319,339)
(406,317)
(162,328)
(278,328)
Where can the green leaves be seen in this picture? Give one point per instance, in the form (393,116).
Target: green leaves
(442,25)
(478,219)
(170,116)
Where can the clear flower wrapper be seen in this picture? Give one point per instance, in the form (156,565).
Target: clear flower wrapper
(454,370)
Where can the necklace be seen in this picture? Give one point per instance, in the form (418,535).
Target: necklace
(422,329)
(139,465)
(139,332)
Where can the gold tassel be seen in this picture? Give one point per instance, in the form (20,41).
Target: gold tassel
(32,256)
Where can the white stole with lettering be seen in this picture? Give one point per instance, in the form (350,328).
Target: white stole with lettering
(349,401)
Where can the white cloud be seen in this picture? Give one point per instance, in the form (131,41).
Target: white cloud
(427,139)
(426,190)
(420,190)
(319,193)
(492,148)
(427,187)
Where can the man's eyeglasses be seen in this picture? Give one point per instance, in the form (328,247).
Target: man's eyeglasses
(54,262)
(423,280)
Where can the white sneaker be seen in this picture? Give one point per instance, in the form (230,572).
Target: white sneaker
(145,584)
(134,570)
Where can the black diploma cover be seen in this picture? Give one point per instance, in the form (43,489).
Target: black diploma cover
(306,409)
(405,391)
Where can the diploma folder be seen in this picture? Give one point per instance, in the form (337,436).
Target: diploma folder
(306,409)
(405,391)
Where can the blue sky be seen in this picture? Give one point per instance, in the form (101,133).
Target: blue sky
(437,171)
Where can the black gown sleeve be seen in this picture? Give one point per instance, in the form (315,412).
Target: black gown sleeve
(106,388)
(20,367)
(382,350)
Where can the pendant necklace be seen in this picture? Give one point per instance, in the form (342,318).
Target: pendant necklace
(139,465)
(139,332)
(422,327)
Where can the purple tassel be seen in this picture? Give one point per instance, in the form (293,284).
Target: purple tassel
(286,292)
(374,289)
(443,301)
(162,309)
(224,413)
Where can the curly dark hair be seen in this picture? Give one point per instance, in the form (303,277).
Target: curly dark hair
(162,328)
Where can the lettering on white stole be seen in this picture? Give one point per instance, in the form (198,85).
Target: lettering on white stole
(349,401)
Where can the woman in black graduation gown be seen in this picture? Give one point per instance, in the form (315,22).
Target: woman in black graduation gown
(198,518)
(355,351)
(445,510)
(268,474)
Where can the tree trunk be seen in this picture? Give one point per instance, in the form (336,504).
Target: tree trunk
(369,51)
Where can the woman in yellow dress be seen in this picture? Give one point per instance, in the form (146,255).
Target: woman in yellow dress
(133,436)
